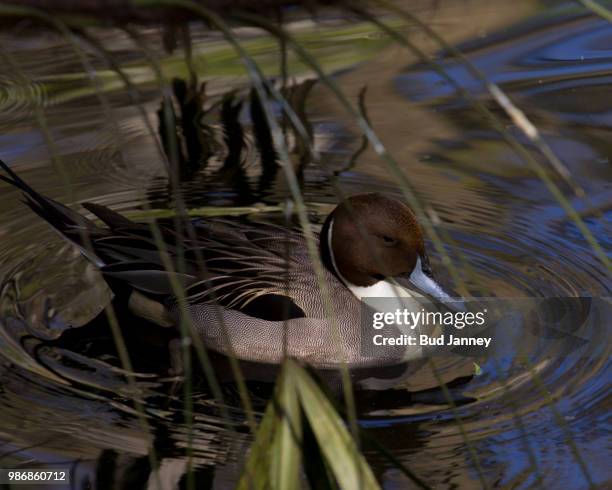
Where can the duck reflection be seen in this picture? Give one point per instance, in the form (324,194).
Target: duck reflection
(222,151)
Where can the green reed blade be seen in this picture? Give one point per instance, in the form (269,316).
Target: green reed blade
(290,176)
(526,156)
(255,474)
(185,335)
(109,309)
(338,447)
(404,184)
(447,395)
(303,133)
(188,333)
(178,288)
(515,144)
(380,148)
(598,9)
(150,213)
(276,452)
(295,120)
(377,144)
(522,122)
(286,451)
(364,140)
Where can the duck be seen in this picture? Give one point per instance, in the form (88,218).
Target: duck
(250,288)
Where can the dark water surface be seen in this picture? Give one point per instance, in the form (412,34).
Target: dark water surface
(79,135)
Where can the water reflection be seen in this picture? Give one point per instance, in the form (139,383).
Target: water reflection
(64,398)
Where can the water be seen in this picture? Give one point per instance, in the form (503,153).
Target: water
(64,401)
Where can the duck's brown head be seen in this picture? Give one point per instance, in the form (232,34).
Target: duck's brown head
(370,238)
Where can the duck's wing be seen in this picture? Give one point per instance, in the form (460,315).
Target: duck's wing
(240,266)
(250,268)
(229,262)
(235,264)
(70,224)
(124,251)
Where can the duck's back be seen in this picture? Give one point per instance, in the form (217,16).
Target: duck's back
(267,300)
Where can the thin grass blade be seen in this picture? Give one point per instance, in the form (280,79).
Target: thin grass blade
(338,447)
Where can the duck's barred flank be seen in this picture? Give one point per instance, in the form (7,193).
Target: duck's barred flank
(253,284)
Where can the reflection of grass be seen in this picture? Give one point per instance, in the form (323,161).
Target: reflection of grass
(512,111)
(532,133)
(299,407)
(334,456)
(335,48)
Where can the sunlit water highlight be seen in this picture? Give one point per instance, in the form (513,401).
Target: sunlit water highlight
(64,400)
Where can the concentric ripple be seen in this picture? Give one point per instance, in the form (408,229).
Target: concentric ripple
(17,98)
(533,416)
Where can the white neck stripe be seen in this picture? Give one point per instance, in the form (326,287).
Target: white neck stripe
(331,253)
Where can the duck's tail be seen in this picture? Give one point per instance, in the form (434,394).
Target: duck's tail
(71,225)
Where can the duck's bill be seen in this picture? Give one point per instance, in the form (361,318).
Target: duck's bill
(422,284)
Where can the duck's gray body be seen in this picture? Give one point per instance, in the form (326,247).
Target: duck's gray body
(278,263)
(249,289)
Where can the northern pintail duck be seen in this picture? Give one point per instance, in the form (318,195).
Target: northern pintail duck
(254,284)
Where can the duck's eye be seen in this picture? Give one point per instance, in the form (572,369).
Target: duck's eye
(389,242)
